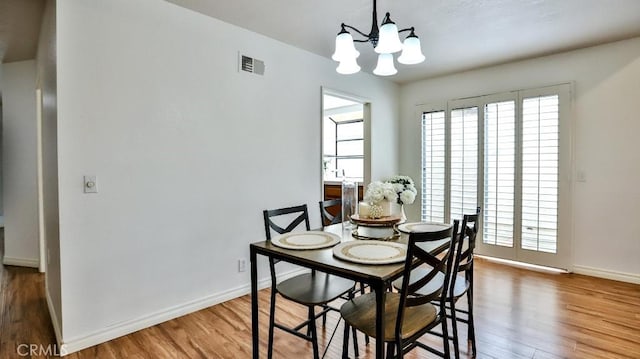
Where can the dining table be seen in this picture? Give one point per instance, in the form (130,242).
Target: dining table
(377,276)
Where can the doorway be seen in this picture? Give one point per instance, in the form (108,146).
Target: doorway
(345,142)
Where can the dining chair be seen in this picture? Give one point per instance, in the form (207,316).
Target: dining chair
(310,289)
(409,313)
(326,216)
(460,283)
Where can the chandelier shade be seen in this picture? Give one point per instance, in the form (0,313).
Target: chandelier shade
(385,40)
(411,51)
(348,66)
(345,48)
(388,38)
(385,65)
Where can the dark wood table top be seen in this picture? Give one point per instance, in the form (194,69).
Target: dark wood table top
(324,260)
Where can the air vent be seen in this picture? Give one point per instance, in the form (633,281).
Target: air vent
(251,65)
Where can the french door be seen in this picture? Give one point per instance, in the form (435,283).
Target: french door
(510,155)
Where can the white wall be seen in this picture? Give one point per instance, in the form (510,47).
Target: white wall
(187,152)
(46,80)
(607,86)
(19,164)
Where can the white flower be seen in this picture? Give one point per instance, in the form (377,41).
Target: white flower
(407,197)
(374,192)
(389,192)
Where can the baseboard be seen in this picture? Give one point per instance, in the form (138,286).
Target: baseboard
(76,344)
(607,274)
(21,262)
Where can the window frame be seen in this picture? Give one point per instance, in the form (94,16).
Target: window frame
(337,156)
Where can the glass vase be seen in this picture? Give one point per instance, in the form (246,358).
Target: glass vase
(349,201)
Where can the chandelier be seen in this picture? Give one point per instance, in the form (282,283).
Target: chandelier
(386,42)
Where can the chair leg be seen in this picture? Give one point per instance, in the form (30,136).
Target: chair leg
(272,312)
(324,317)
(366,337)
(314,334)
(454,324)
(345,341)
(356,352)
(391,351)
(445,335)
(471,329)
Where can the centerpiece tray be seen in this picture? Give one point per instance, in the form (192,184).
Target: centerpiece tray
(382,228)
(387,221)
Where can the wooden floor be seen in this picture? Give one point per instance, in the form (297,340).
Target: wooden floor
(520,314)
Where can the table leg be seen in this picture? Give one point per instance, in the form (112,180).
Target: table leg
(380,297)
(255,337)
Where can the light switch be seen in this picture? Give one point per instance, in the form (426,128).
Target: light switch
(90,184)
(581,176)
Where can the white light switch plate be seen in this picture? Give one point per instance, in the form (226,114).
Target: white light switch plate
(90,184)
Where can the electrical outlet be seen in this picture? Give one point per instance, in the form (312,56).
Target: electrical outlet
(242,265)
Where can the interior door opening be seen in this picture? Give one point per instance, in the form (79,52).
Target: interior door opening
(344,142)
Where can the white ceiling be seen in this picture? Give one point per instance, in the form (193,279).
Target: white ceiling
(456,35)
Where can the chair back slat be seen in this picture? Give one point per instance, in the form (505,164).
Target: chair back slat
(468,230)
(328,218)
(269,225)
(416,257)
(463,261)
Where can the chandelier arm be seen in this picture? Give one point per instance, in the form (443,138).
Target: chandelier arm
(407,29)
(358,31)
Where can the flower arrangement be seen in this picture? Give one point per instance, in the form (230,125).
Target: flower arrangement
(405,188)
(399,189)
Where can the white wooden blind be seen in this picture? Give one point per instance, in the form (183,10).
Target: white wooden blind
(464,162)
(540,149)
(433,166)
(508,154)
(499,173)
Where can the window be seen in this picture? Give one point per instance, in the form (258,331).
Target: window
(503,154)
(343,140)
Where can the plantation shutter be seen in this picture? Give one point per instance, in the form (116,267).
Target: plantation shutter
(540,149)
(433,166)
(499,173)
(464,162)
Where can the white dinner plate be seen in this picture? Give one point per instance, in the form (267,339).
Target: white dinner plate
(306,240)
(371,252)
(422,227)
